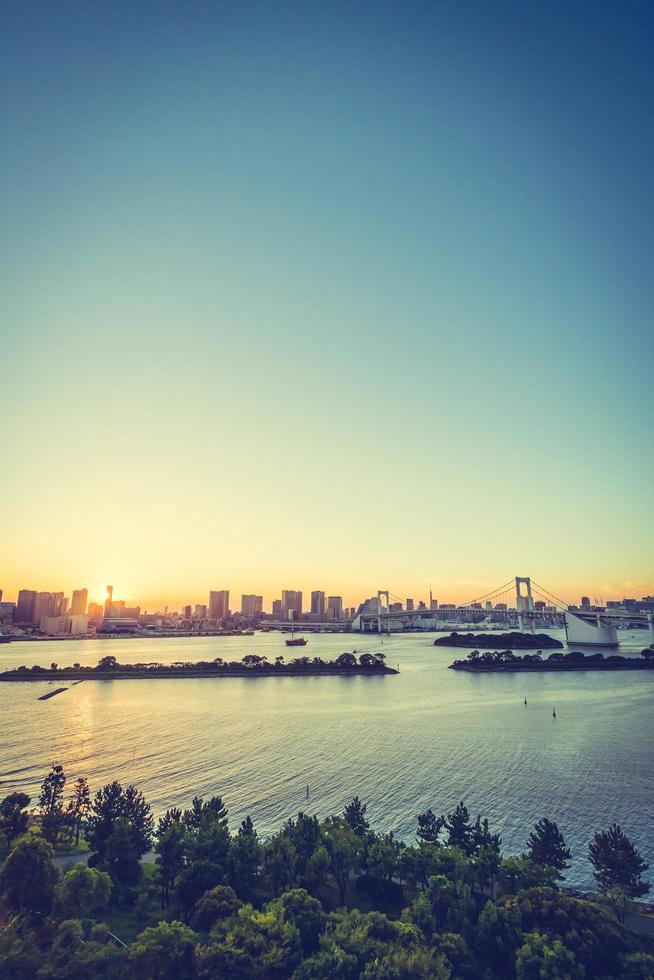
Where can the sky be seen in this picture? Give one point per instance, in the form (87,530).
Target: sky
(344,296)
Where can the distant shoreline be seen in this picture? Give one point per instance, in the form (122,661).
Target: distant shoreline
(70,674)
(508,668)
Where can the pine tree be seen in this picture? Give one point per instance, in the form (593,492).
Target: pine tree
(51,803)
(459,829)
(546,846)
(429,827)
(617,863)
(355,814)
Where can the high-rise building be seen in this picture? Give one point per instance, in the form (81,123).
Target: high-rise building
(335,607)
(251,606)
(219,604)
(109,600)
(585,602)
(318,604)
(95,612)
(291,604)
(7,612)
(78,603)
(60,604)
(409,605)
(187,612)
(277,609)
(43,607)
(25,606)
(200,611)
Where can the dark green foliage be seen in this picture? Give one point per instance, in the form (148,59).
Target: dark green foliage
(28,877)
(164,951)
(244,861)
(546,846)
(78,807)
(82,892)
(14,818)
(51,806)
(459,829)
(355,815)
(305,913)
(429,827)
(543,956)
(112,803)
(449,929)
(218,903)
(617,863)
(195,880)
(344,849)
(251,944)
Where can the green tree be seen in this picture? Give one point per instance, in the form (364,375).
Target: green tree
(14,818)
(617,863)
(344,849)
(79,806)
(216,904)
(459,829)
(20,951)
(637,966)
(429,827)
(244,861)
(487,863)
(546,846)
(28,876)
(164,951)
(280,859)
(170,848)
(251,946)
(195,880)
(82,891)
(122,859)
(355,815)
(51,805)
(546,958)
(305,913)
(517,873)
(305,836)
(113,803)
(383,859)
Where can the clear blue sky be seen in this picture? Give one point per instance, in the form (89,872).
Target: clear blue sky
(327,295)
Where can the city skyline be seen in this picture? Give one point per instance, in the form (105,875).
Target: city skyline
(218,601)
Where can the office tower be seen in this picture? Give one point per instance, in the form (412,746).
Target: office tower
(43,607)
(219,604)
(291,604)
(277,608)
(78,603)
(200,611)
(318,604)
(433,603)
(95,612)
(59,604)
(409,605)
(7,612)
(251,606)
(335,607)
(585,602)
(25,606)
(187,612)
(109,600)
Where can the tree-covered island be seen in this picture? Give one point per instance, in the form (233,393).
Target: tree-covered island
(506,661)
(252,665)
(507,641)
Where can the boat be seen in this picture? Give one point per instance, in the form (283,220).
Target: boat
(296,641)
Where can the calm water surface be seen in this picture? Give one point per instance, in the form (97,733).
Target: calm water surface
(428,737)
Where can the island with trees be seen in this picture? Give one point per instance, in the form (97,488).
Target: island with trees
(329,899)
(505,661)
(252,665)
(507,641)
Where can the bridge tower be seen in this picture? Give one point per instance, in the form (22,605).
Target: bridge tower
(383,594)
(524,603)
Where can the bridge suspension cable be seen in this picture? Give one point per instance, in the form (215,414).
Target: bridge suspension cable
(557,599)
(501,589)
